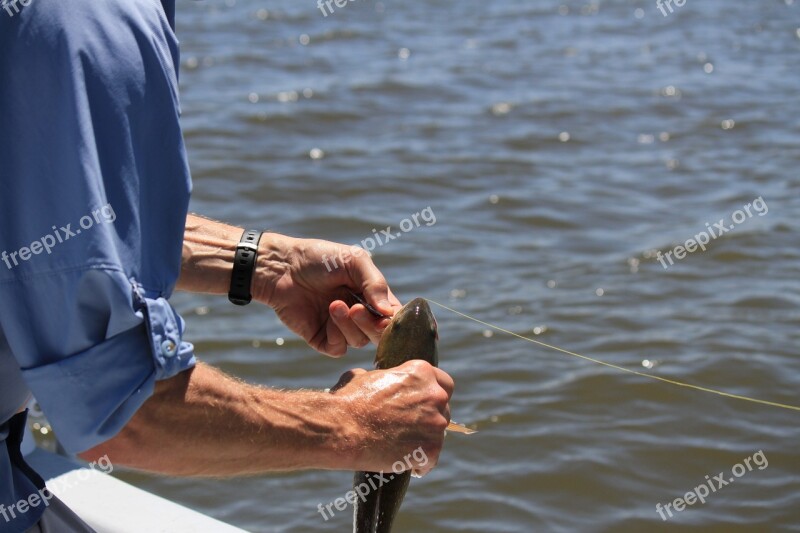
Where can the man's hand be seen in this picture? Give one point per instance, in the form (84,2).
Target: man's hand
(396,412)
(205,423)
(308,283)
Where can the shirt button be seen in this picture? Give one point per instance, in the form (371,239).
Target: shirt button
(169,348)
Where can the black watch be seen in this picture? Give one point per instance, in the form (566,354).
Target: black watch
(244,264)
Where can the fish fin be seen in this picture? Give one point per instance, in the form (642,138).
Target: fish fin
(459,428)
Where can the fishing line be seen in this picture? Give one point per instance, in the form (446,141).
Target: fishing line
(617,367)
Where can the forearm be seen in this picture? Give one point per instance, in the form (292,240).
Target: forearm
(209,247)
(207,260)
(204,423)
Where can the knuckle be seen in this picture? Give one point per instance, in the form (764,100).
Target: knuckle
(380,283)
(440,425)
(452,383)
(419,365)
(440,397)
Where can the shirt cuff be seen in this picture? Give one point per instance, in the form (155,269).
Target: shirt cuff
(93,394)
(165,328)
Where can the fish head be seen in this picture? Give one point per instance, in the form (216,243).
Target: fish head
(412,334)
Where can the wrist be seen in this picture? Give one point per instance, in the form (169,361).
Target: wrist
(272,263)
(208,253)
(345,451)
(314,430)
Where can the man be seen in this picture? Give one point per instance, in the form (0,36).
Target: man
(94,238)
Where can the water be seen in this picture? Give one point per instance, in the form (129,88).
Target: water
(559,146)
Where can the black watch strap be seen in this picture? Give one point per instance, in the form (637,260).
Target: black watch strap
(244,264)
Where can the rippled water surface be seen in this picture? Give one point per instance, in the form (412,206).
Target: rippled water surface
(559,145)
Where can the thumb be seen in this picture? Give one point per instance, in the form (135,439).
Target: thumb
(372,283)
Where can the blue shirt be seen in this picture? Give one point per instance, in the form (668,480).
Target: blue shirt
(94,192)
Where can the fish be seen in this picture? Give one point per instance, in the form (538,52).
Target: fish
(411,334)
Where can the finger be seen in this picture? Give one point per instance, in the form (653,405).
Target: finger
(369,325)
(419,459)
(424,470)
(421,367)
(352,333)
(428,463)
(394,302)
(347,377)
(335,343)
(445,381)
(370,281)
(446,412)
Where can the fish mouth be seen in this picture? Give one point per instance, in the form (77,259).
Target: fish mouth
(418,307)
(417,315)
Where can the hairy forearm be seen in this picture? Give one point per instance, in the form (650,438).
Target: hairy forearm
(209,248)
(205,423)
(208,251)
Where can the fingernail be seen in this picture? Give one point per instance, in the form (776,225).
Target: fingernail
(340,312)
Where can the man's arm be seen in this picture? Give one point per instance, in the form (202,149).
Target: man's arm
(295,278)
(208,250)
(202,422)
(205,423)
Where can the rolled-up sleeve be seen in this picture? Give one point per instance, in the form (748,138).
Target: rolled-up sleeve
(94,191)
(91,345)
